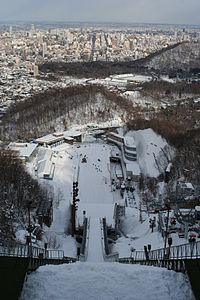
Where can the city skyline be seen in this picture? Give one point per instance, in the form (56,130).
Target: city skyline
(126,11)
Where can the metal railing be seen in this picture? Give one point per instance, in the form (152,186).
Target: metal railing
(23,250)
(185,251)
(113,257)
(11,249)
(108,257)
(85,242)
(177,265)
(85,225)
(181,252)
(105,238)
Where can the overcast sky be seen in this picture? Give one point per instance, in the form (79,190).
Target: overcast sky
(147,11)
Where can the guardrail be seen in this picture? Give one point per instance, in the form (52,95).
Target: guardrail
(177,265)
(105,239)
(35,263)
(85,242)
(23,250)
(108,257)
(85,224)
(185,251)
(14,250)
(113,257)
(181,252)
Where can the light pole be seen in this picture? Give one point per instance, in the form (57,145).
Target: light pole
(74,208)
(132,250)
(169,243)
(166,229)
(29,229)
(140,215)
(192,241)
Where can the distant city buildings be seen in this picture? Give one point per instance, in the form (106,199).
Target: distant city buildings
(23,50)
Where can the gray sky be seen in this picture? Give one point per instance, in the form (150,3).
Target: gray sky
(149,11)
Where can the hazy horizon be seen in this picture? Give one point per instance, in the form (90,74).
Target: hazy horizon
(98,22)
(177,12)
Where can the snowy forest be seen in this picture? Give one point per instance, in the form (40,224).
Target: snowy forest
(17,190)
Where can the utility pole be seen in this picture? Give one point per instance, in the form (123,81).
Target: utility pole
(166,230)
(29,229)
(140,215)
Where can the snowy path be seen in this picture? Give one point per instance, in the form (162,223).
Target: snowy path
(95,248)
(95,194)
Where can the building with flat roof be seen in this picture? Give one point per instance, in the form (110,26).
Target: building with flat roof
(25,151)
(68,140)
(51,139)
(133,170)
(130,148)
(45,167)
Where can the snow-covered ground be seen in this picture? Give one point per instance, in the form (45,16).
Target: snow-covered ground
(96,196)
(138,99)
(149,146)
(96,279)
(166,78)
(94,181)
(62,187)
(105,281)
(137,234)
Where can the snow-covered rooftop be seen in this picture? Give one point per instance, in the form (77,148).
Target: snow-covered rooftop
(73,132)
(133,167)
(197,208)
(187,185)
(130,77)
(25,149)
(129,141)
(44,168)
(48,139)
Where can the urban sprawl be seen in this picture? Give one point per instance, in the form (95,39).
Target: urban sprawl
(23,50)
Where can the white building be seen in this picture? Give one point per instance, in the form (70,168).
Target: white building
(45,167)
(130,148)
(51,139)
(132,170)
(25,151)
